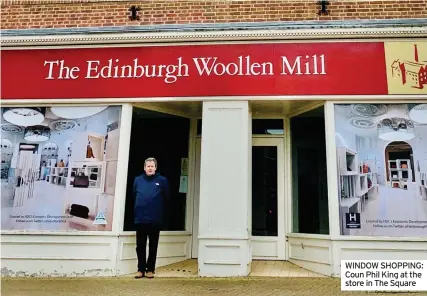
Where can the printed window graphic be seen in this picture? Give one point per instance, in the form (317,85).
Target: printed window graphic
(58,169)
(382,167)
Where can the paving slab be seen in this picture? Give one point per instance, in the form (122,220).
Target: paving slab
(260,268)
(249,286)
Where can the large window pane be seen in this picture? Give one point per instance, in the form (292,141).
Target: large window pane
(58,168)
(382,168)
(264,190)
(309,173)
(267,127)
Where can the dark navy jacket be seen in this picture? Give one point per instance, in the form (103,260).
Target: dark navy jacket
(150,193)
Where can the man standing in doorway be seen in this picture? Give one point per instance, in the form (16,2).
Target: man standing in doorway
(150,190)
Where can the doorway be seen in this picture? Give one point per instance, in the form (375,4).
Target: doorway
(166,138)
(268,201)
(399,164)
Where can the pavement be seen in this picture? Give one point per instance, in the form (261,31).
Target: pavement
(128,286)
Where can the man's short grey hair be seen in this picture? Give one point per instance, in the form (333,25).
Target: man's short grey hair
(151,159)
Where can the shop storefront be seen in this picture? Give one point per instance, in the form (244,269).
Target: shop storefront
(311,150)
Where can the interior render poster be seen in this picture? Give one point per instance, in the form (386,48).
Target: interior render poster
(382,169)
(58,168)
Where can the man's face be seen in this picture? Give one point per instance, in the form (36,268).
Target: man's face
(150,168)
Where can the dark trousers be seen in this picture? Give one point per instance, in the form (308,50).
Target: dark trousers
(152,232)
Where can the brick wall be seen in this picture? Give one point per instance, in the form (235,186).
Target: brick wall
(22,14)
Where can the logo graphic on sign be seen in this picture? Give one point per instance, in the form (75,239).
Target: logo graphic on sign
(100,219)
(412,73)
(406,67)
(352,220)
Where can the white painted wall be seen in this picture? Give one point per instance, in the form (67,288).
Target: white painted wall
(224,223)
(58,255)
(311,251)
(323,254)
(53,255)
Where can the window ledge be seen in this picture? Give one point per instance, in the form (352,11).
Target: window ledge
(309,236)
(343,238)
(380,238)
(58,233)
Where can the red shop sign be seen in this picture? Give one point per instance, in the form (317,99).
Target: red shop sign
(272,69)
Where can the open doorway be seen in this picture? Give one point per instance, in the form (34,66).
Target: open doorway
(166,138)
(400,168)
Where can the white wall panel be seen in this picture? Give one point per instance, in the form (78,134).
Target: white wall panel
(224,225)
(265,248)
(312,252)
(55,255)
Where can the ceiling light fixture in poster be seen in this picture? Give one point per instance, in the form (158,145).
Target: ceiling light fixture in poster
(25,116)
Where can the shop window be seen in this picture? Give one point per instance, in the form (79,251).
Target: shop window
(166,138)
(267,127)
(309,173)
(58,170)
(382,169)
